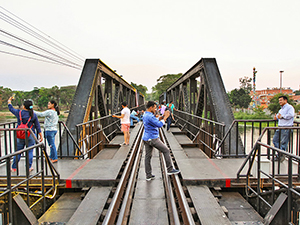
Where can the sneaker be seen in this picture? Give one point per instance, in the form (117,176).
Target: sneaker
(173,171)
(13,170)
(30,169)
(152,177)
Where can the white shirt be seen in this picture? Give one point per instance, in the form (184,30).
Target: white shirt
(126,118)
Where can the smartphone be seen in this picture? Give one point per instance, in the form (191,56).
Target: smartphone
(13,95)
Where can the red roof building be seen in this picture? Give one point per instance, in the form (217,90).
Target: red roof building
(263,96)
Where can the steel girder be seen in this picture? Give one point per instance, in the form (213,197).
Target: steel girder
(206,97)
(100,92)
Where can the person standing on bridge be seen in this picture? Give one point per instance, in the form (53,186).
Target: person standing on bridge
(285,118)
(125,122)
(171,117)
(27,116)
(51,121)
(151,139)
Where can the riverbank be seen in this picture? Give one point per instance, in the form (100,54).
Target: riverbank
(6,116)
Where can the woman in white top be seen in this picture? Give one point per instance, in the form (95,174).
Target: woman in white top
(50,125)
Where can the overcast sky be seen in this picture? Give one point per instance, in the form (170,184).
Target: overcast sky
(143,40)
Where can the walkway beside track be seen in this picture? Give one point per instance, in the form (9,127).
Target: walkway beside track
(102,170)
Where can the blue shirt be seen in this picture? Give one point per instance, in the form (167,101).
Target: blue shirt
(287,116)
(151,125)
(25,116)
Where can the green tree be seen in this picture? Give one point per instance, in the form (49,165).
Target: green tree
(67,94)
(5,93)
(19,98)
(274,104)
(245,83)
(239,98)
(297,108)
(297,92)
(44,95)
(163,82)
(140,88)
(54,93)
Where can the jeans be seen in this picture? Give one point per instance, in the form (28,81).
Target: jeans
(284,139)
(169,121)
(20,146)
(132,118)
(157,143)
(50,136)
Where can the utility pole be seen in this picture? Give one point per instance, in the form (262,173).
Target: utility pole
(281,71)
(254,88)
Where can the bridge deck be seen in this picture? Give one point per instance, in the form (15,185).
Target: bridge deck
(195,166)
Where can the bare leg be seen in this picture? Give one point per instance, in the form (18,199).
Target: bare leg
(128,137)
(125,137)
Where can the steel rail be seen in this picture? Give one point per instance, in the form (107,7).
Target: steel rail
(185,211)
(127,200)
(116,200)
(172,208)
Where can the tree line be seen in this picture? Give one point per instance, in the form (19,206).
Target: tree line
(40,96)
(239,97)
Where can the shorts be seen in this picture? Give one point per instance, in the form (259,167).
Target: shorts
(125,127)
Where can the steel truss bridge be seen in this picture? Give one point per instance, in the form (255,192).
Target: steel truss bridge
(227,176)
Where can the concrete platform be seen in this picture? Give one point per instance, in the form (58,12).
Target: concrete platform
(99,171)
(197,169)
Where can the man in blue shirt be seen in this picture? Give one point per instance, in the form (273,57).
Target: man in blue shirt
(151,139)
(285,118)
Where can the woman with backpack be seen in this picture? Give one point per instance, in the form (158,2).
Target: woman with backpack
(51,121)
(25,116)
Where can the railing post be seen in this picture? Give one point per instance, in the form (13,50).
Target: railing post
(290,184)
(258,178)
(8,178)
(236,138)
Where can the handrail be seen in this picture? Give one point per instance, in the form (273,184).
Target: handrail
(256,153)
(237,121)
(74,141)
(40,172)
(202,118)
(207,132)
(104,117)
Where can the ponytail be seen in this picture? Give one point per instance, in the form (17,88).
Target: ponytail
(55,107)
(29,106)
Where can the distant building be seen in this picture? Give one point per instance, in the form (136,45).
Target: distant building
(263,97)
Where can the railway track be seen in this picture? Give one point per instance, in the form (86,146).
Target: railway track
(119,205)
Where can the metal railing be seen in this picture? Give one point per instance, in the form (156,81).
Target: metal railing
(94,134)
(8,140)
(207,133)
(249,131)
(277,176)
(22,181)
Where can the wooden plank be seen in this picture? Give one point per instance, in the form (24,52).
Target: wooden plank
(90,209)
(208,210)
(27,217)
(63,208)
(239,210)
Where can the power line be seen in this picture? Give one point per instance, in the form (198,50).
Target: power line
(78,56)
(35,46)
(35,53)
(27,57)
(36,35)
